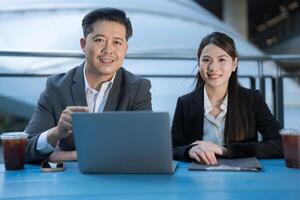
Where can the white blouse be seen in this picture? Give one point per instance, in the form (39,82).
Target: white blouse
(213,127)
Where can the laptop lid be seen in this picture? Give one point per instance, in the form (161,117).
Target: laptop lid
(123,142)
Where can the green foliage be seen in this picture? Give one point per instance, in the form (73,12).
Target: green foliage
(11,123)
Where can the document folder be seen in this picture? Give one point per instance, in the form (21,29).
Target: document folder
(241,164)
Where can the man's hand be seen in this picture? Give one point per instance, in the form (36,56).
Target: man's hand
(60,156)
(64,126)
(204,151)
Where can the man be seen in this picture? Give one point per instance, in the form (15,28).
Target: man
(99,84)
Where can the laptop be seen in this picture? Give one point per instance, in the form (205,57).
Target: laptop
(123,142)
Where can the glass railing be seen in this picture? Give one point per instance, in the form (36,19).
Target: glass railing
(257,72)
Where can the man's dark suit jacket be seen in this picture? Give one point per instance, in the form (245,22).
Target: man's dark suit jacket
(188,126)
(129,92)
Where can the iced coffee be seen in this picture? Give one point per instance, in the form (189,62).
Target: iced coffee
(291,147)
(14,145)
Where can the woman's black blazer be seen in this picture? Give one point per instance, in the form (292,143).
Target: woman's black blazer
(187,126)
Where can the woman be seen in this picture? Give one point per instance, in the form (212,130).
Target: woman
(221,118)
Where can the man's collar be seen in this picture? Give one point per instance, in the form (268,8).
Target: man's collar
(87,85)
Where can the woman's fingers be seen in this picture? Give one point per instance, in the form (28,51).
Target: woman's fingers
(204,158)
(212,158)
(205,151)
(194,156)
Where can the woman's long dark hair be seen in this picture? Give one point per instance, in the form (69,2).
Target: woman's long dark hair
(236,126)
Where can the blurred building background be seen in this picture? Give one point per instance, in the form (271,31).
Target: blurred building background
(163,47)
(272,26)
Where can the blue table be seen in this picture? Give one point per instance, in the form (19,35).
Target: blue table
(274,182)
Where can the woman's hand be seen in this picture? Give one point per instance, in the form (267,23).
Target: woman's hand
(204,151)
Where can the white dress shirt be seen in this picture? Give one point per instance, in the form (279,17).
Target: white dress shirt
(213,127)
(96,101)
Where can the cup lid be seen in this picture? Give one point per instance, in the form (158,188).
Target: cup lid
(13,135)
(290,131)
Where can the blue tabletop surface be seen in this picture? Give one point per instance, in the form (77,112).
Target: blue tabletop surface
(275,181)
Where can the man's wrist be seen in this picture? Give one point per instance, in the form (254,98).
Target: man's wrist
(53,136)
(42,145)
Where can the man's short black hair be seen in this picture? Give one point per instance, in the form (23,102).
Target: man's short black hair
(109,14)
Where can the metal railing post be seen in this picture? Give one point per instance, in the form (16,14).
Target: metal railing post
(261,77)
(279,97)
(274,94)
(252,83)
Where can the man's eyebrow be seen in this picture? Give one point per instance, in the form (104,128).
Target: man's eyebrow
(98,35)
(116,38)
(119,38)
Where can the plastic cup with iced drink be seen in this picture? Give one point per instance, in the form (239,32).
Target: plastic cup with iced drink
(291,147)
(14,144)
